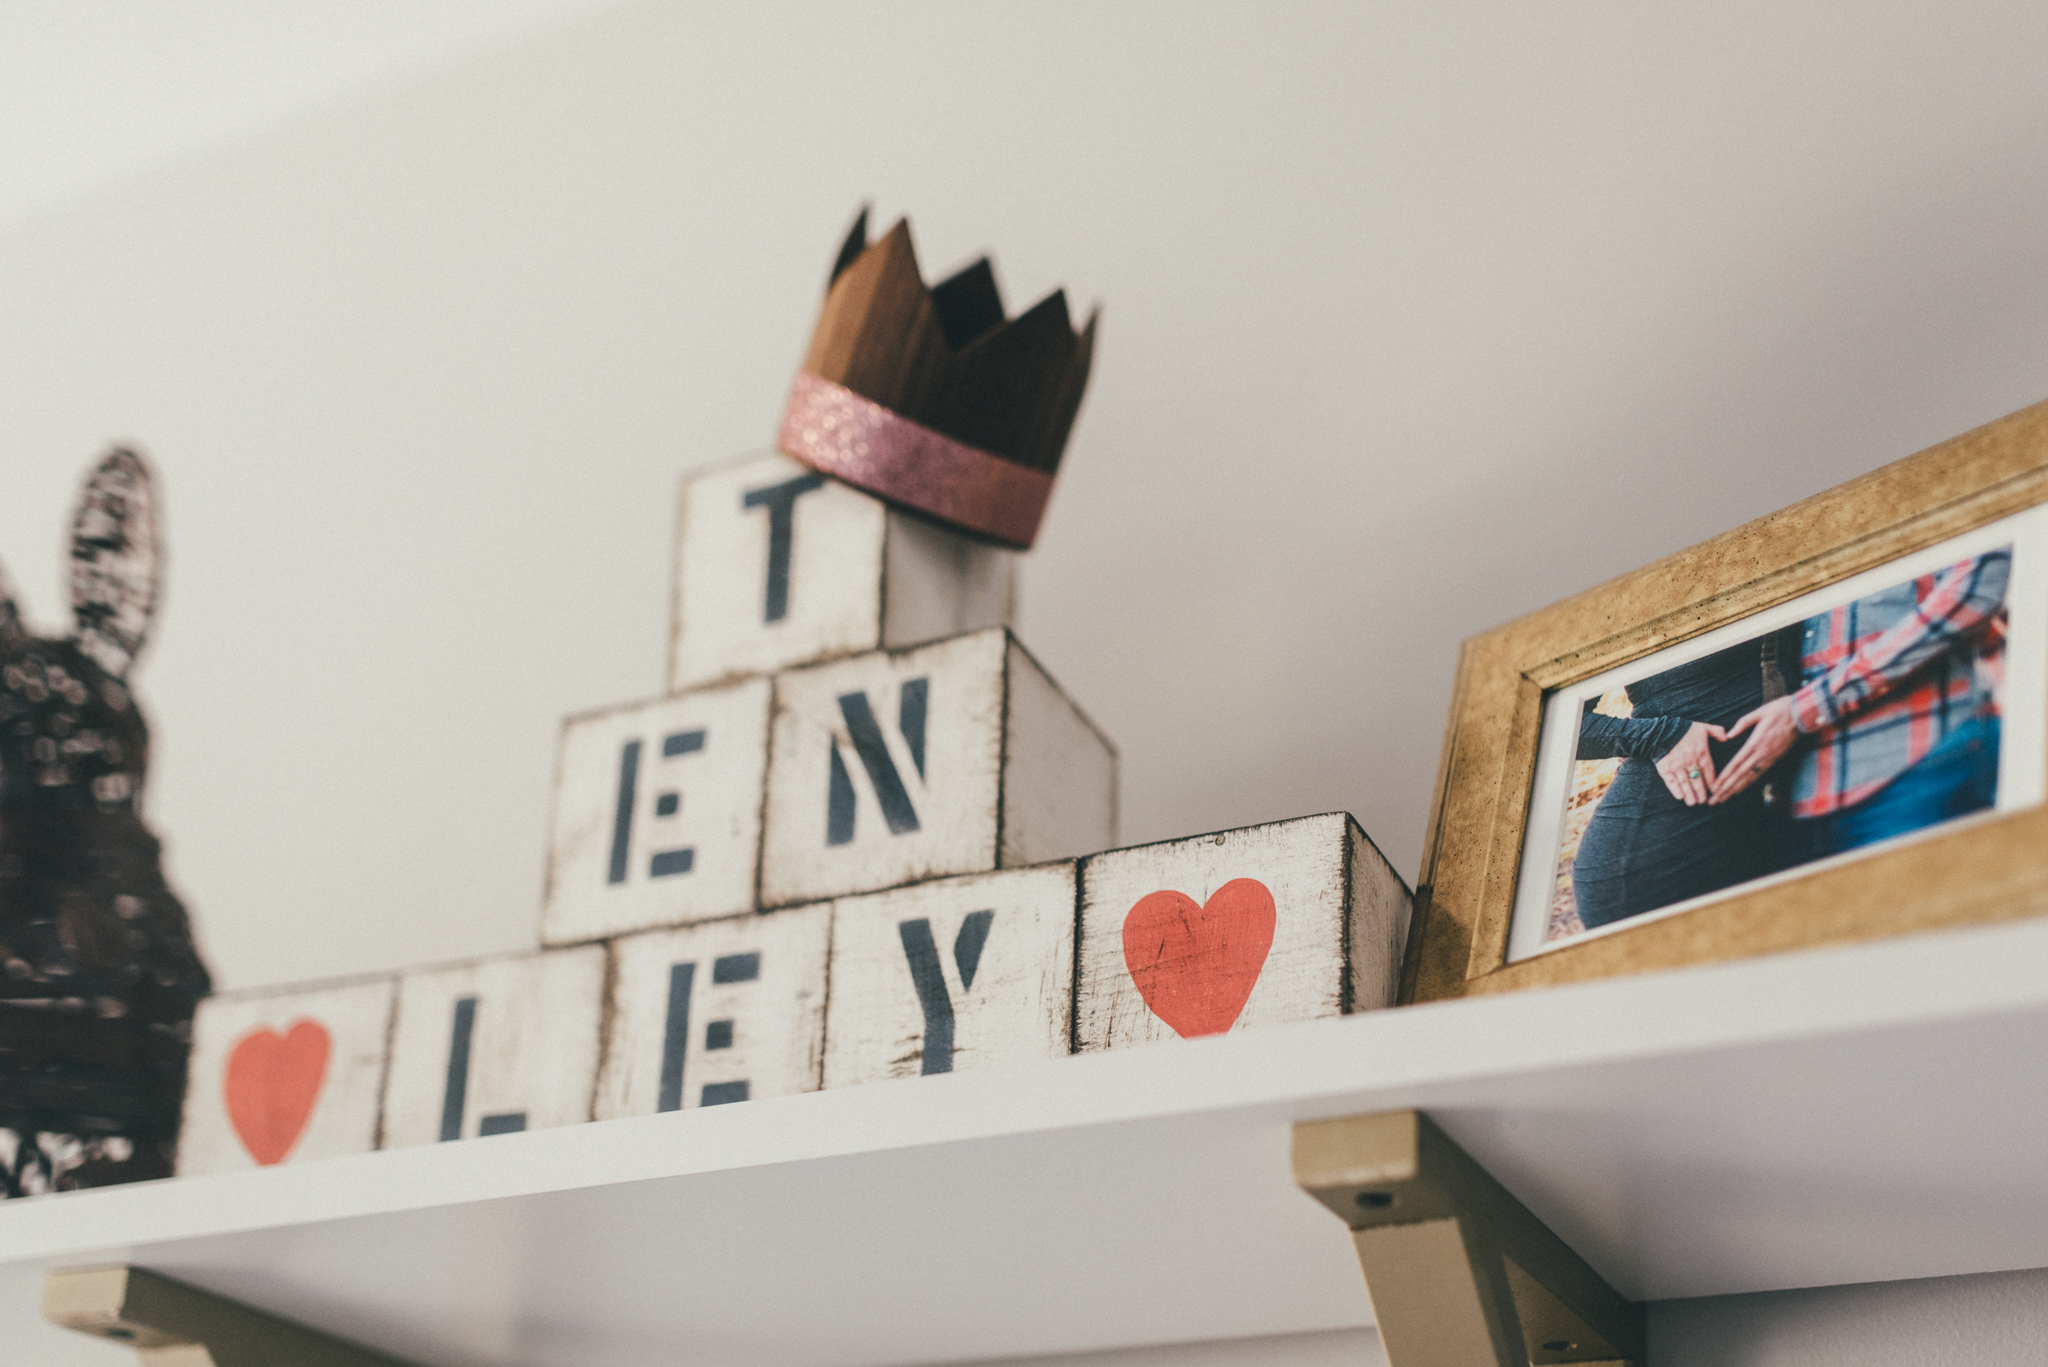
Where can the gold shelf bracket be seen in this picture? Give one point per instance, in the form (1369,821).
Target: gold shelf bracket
(170,1324)
(1459,1272)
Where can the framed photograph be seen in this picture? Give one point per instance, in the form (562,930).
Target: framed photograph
(1828,725)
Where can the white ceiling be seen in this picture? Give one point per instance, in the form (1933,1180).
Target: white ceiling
(94,88)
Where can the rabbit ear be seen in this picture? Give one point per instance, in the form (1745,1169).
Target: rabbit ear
(13,632)
(115,561)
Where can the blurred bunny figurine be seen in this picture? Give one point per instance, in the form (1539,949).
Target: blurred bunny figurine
(98,973)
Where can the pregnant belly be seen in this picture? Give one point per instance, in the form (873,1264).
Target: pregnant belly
(1644,849)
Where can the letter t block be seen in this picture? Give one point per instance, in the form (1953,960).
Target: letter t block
(778,565)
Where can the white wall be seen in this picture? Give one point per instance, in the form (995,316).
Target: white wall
(93,89)
(1342,1348)
(1417,318)
(1999,1318)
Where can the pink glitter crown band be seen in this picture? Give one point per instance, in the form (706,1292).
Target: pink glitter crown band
(833,429)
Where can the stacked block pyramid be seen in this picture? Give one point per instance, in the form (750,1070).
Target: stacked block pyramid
(864,836)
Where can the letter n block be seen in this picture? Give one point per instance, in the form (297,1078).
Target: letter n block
(1289,922)
(495,1046)
(716,1013)
(956,757)
(778,565)
(657,815)
(953,974)
(285,1076)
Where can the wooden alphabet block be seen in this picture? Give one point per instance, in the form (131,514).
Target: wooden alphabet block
(954,974)
(495,1046)
(285,1076)
(1288,922)
(957,757)
(778,565)
(715,1013)
(657,815)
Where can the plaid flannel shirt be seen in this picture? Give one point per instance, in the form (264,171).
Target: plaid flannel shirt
(1887,677)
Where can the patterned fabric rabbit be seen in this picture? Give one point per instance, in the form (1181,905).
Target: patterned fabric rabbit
(98,973)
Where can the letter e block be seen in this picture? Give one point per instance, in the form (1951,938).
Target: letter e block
(715,1013)
(657,813)
(957,757)
(778,565)
(495,1046)
(285,1076)
(953,974)
(1289,922)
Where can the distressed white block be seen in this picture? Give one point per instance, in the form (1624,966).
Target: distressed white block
(778,565)
(957,757)
(1288,922)
(950,975)
(657,816)
(285,1076)
(495,1046)
(715,1013)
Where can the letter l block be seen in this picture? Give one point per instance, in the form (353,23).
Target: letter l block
(495,1046)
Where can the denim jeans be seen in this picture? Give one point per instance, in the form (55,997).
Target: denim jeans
(1956,777)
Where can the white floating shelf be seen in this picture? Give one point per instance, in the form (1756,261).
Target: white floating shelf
(1845,1115)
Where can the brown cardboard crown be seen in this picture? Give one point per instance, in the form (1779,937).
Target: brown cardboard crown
(947,357)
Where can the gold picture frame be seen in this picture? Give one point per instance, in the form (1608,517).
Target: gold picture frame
(1988,870)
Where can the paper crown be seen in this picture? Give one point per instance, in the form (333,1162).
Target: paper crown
(931,397)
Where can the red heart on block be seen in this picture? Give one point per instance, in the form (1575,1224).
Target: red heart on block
(1195,966)
(272,1082)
